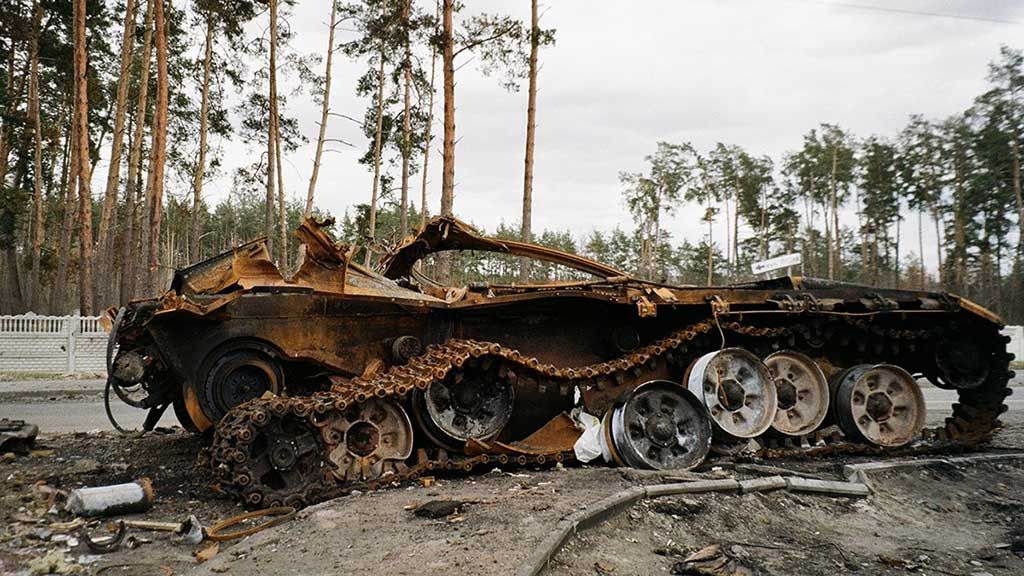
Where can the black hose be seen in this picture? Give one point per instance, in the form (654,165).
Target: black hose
(112,339)
(110,414)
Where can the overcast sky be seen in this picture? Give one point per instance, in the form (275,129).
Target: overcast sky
(627,74)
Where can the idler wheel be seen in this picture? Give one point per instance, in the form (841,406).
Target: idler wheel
(802,392)
(373,437)
(738,391)
(880,405)
(660,425)
(464,406)
(239,376)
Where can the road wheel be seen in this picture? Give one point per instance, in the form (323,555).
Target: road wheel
(239,376)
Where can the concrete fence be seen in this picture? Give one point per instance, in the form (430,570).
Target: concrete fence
(52,344)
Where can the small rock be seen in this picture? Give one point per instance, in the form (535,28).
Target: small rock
(84,466)
(9,457)
(53,563)
(439,508)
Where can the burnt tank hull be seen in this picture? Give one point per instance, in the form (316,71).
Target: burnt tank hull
(378,376)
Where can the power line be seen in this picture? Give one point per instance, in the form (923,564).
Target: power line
(908,12)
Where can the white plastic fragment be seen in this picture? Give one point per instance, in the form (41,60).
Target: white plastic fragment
(588,445)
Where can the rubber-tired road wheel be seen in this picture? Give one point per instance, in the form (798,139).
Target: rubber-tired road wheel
(239,376)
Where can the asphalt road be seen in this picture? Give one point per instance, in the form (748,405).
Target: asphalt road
(84,413)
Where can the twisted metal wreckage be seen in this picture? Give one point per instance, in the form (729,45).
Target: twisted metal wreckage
(343,377)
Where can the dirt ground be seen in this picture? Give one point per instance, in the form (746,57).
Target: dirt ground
(944,520)
(950,516)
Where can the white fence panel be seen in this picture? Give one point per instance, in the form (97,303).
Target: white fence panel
(30,343)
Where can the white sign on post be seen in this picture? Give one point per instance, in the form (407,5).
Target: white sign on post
(784,261)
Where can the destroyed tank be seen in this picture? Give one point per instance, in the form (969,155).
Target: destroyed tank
(346,377)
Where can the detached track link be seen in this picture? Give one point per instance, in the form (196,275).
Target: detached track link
(974,420)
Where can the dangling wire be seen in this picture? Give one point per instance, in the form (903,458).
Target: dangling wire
(721,333)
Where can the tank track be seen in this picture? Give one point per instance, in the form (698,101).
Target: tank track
(974,418)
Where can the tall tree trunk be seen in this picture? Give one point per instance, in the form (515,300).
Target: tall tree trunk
(862,230)
(325,111)
(158,154)
(268,221)
(736,228)
(448,152)
(828,239)
(443,270)
(938,245)
(84,169)
(282,220)
(835,269)
(69,175)
(195,248)
(764,222)
(711,244)
(38,233)
(428,139)
(378,134)
(531,132)
(403,222)
(105,237)
(959,233)
(133,232)
(920,242)
(897,250)
(1019,253)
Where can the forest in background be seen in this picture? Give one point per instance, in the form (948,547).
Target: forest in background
(146,87)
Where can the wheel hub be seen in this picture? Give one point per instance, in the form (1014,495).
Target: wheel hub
(879,406)
(661,430)
(283,455)
(731,394)
(362,438)
(787,394)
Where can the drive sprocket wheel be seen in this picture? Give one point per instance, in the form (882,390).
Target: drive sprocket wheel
(282,463)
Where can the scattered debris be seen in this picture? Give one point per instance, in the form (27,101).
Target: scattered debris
(106,544)
(716,560)
(112,500)
(677,506)
(277,516)
(207,553)
(113,568)
(54,562)
(17,436)
(439,508)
